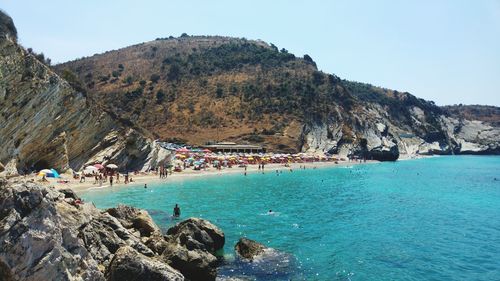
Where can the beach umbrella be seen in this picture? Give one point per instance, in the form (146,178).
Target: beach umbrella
(99,166)
(182,150)
(50,173)
(91,168)
(207,150)
(112,166)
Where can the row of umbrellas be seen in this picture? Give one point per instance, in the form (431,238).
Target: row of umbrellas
(185,150)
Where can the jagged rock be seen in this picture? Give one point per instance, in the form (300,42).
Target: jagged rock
(36,241)
(128,264)
(10,169)
(248,249)
(7,27)
(2,167)
(209,236)
(384,153)
(69,193)
(131,217)
(46,236)
(191,248)
(157,243)
(255,259)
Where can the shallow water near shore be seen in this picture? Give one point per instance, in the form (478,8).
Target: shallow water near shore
(429,219)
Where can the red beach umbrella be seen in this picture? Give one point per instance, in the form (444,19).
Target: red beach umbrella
(99,166)
(182,150)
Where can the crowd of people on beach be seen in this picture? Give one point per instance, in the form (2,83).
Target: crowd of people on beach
(199,160)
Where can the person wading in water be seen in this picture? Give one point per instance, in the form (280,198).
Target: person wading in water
(177,211)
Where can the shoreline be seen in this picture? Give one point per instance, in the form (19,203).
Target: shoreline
(152,177)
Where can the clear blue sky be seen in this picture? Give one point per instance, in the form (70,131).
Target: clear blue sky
(447,51)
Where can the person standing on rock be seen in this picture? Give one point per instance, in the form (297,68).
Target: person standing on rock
(111,180)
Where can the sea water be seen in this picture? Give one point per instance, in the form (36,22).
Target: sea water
(429,219)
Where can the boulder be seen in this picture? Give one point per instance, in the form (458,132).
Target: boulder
(209,236)
(131,217)
(384,153)
(128,264)
(193,264)
(261,262)
(156,243)
(69,193)
(191,248)
(248,249)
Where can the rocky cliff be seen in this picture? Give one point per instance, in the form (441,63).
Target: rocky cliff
(201,88)
(51,235)
(46,123)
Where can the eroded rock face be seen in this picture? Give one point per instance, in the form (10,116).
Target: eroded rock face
(46,123)
(191,248)
(379,136)
(48,235)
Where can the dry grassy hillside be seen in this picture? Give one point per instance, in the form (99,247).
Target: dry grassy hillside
(201,89)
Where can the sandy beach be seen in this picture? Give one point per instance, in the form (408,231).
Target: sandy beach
(66,181)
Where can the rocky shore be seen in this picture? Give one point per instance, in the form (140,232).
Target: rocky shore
(48,234)
(51,235)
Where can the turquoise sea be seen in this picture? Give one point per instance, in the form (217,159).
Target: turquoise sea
(429,219)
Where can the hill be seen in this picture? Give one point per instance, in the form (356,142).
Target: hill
(199,89)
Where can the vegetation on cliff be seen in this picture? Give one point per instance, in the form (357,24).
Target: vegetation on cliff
(200,89)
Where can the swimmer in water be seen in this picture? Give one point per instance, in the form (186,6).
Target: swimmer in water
(270,212)
(145,186)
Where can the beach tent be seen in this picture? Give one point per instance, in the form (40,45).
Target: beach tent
(49,173)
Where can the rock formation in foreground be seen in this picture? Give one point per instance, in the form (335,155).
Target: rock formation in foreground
(47,122)
(49,235)
(258,262)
